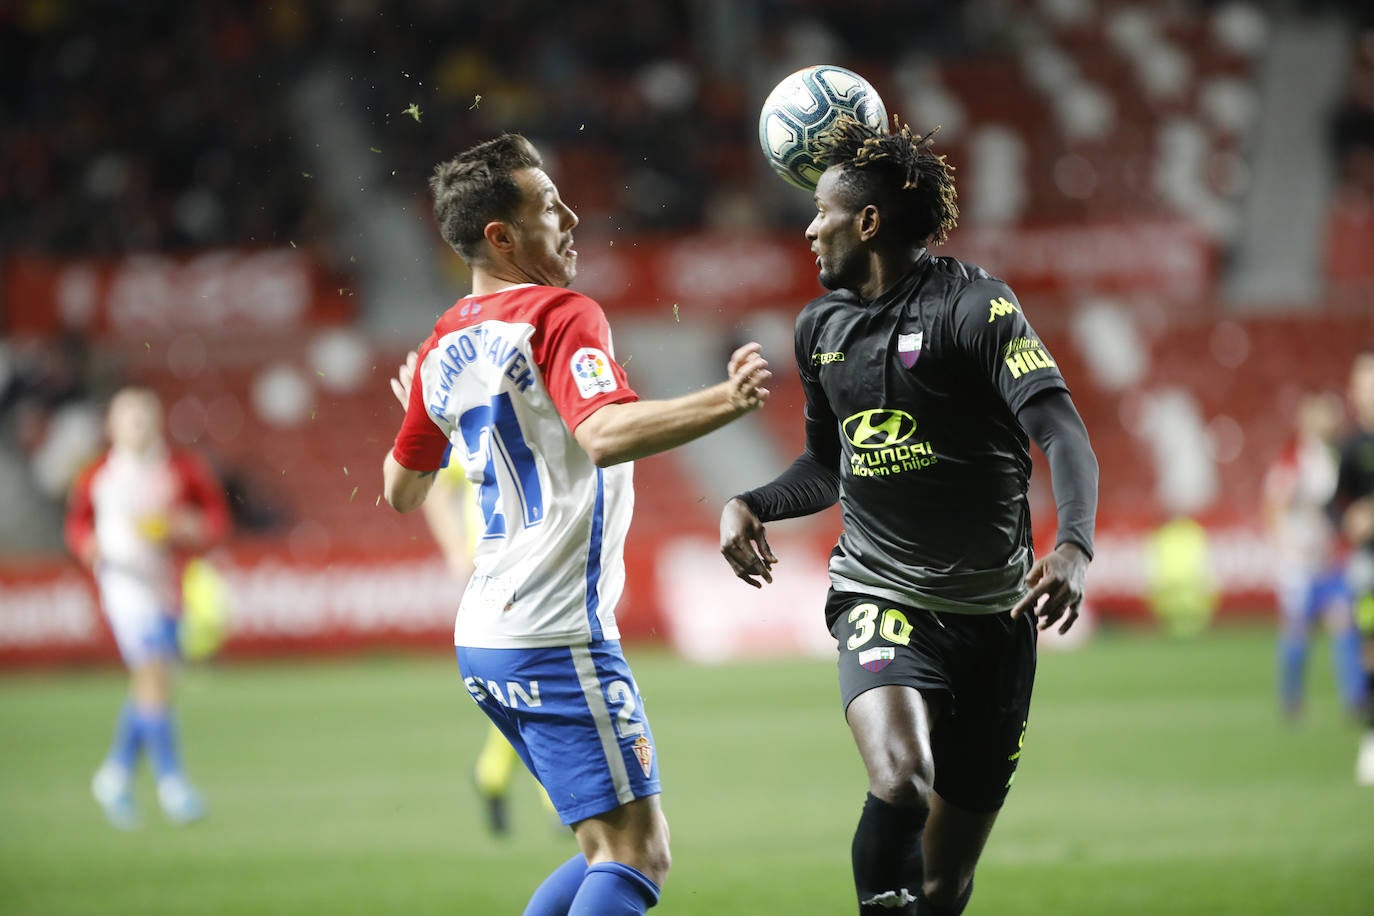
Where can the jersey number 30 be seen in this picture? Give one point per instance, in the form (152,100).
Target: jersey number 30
(492,431)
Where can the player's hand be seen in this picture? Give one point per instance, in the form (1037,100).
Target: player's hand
(743,544)
(185,529)
(1357,523)
(400,385)
(1059,578)
(748,374)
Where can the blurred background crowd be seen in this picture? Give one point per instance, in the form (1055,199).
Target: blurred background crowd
(226,201)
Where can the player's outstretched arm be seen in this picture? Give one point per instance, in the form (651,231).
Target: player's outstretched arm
(743,543)
(624,432)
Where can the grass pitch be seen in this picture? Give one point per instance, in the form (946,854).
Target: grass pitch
(1156,778)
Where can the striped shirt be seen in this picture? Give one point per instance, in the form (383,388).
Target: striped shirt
(500,387)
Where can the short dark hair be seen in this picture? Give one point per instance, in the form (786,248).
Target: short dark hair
(476,187)
(899,172)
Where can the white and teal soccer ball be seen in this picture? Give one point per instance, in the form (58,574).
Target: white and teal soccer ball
(804,106)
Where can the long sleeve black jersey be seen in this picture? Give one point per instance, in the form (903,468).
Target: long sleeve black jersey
(911,403)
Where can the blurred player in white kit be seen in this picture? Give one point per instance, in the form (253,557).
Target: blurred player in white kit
(134,516)
(1310,574)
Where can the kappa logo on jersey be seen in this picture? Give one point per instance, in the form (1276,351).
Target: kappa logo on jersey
(591,370)
(877,658)
(1024,355)
(825,359)
(879,428)
(1000,307)
(909,348)
(472,308)
(644,753)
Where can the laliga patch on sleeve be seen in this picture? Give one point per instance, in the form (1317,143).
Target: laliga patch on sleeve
(591,369)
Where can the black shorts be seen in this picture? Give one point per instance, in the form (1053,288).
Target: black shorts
(978,668)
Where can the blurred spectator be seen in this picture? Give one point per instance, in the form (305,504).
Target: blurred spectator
(46,411)
(145,127)
(172,127)
(1352,125)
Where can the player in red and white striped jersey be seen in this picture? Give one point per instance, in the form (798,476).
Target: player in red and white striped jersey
(1309,571)
(519,384)
(133,518)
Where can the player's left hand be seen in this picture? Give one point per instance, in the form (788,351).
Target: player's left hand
(1059,578)
(1357,524)
(400,385)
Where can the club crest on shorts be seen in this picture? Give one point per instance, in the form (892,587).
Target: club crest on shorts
(877,658)
(909,347)
(644,752)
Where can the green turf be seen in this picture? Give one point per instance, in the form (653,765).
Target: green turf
(1156,779)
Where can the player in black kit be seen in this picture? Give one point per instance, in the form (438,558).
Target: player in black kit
(1352,508)
(923,380)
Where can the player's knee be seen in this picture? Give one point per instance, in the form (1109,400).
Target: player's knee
(645,849)
(657,865)
(903,779)
(658,856)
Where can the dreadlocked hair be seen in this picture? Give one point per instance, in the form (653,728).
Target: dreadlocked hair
(476,187)
(899,171)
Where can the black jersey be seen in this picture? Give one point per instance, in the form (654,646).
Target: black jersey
(913,397)
(1355,477)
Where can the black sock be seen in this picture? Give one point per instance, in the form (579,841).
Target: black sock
(882,852)
(926,908)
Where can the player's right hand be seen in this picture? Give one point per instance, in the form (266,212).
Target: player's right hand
(400,385)
(743,544)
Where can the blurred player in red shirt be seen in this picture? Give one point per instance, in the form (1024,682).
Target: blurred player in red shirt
(133,518)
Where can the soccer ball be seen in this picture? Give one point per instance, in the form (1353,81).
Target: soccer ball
(805,105)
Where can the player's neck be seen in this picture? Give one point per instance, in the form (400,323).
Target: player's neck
(886,270)
(139,452)
(487,282)
(484,282)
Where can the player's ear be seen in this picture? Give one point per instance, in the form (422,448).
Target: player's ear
(499,236)
(869,219)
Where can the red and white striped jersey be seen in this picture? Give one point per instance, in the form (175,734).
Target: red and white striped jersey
(500,386)
(124,503)
(1300,483)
